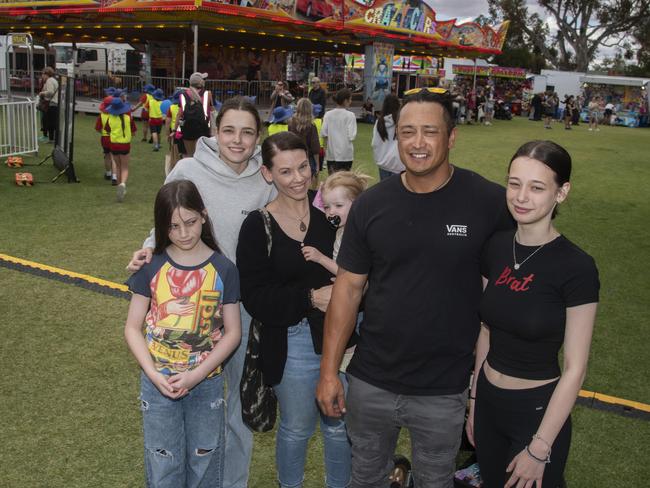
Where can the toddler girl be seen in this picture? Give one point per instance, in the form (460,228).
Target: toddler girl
(338,192)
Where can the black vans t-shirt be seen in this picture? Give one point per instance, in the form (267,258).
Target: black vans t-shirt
(422,256)
(525,309)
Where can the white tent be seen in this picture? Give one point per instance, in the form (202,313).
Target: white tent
(614,80)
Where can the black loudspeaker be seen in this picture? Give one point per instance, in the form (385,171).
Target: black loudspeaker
(64,165)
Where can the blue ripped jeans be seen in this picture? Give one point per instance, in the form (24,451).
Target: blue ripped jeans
(184,438)
(296,395)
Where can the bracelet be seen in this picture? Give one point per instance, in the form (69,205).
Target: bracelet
(472,397)
(539,438)
(539,460)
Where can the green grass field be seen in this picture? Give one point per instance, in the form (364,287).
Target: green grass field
(69,389)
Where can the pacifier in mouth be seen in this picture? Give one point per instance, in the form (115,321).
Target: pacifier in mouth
(334,220)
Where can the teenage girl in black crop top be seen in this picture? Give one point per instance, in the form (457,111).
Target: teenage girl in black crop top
(541,293)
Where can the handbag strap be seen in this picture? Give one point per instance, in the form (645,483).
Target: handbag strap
(267,228)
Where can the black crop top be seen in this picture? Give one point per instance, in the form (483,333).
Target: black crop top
(525,309)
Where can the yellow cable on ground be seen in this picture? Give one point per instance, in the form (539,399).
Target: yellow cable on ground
(118,290)
(64,272)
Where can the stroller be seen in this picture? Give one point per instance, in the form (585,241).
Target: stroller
(502,111)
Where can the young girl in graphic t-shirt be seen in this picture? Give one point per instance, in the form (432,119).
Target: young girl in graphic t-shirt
(187,297)
(338,192)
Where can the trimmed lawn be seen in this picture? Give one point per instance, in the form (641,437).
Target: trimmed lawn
(69,392)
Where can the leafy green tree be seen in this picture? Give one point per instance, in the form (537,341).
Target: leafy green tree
(582,26)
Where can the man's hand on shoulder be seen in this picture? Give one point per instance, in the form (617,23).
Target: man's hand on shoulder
(139,259)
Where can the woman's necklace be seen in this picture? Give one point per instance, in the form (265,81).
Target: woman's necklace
(514,255)
(301,220)
(408,187)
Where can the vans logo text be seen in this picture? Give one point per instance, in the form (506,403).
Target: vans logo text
(456,230)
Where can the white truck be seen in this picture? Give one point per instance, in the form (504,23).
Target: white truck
(96,58)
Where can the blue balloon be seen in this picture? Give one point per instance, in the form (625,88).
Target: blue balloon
(164,106)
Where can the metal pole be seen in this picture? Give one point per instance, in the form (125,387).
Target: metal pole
(474,84)
(195,28)
(30,62)
(183,61)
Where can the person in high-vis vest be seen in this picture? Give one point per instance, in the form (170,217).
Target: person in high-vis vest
(143,102)
(100,126)
(121,127)
(174,135)
(279,119)
(156,117)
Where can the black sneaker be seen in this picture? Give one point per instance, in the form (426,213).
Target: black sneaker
(107,177)
(113,181)
(400,476)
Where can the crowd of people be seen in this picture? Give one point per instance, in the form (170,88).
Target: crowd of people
(594,109)
(377,305)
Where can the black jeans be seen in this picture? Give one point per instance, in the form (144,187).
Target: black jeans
(504,423)
(51,123)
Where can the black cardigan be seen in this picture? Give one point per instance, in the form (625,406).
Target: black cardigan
(275,288)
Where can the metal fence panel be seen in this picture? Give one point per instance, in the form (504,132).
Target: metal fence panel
(168,84)
(93,86)
(262,91)
(224,89)
(19,81)
(18,126)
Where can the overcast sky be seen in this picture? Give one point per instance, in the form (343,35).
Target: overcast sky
(463,9)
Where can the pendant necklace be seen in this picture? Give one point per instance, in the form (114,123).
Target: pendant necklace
(514,255)
(302,226)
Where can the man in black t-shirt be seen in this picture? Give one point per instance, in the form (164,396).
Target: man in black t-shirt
(416,241)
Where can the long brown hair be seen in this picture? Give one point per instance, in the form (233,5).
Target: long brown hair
(179,193)
(390,107)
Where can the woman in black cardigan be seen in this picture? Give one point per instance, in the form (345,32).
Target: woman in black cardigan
(289,295)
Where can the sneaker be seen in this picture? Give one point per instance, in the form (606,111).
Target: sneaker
(107,176)
(113,181)
(144,139)
(590,129)
(121,192)
(156,149)
(42,138)
(151,140)
(400,476)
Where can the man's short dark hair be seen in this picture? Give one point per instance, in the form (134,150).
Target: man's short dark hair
(342,95)
(443,99)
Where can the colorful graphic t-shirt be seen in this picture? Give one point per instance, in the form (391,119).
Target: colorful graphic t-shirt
(185,314)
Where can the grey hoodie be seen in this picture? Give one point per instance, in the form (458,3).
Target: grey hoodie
(228,196)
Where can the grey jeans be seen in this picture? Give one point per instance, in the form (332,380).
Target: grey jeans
(374,419)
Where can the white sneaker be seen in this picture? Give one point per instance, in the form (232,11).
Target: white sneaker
(590,129)
(121,192)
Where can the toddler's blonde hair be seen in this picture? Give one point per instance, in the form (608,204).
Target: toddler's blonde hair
(353,182)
